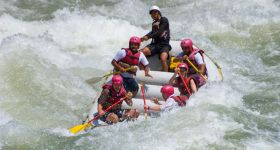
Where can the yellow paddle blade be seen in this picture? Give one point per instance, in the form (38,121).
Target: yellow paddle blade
(79,128)
(221,73)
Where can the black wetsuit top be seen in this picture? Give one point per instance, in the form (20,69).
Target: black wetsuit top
(160,31)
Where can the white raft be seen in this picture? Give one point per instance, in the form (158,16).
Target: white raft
(153,85)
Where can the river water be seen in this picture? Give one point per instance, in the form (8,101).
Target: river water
(49,48)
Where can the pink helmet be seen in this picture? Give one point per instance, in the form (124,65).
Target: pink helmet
(187,43)
(167,90)
(183,65)
(135,39)
(117,80)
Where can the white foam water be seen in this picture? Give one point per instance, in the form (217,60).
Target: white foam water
(47,54)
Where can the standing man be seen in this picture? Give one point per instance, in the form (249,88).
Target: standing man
(160,36)
(130,58)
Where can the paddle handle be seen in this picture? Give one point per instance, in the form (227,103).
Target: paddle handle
(184,82)
(106,110)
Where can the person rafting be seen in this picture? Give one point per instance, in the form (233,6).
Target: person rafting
(195,59)
(127,60)
(112,92)
(176,80)
(160,36)
(171,100)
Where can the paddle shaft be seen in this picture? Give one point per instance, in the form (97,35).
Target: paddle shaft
(216,64)
(182,78)
(118,72)
(144,99)
(97,79)
(195,68)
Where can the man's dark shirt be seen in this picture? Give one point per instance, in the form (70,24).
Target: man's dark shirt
(160,31)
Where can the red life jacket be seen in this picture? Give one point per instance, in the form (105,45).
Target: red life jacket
(114,96)
(130,58)
(181,86)
(192,59)
(181,100)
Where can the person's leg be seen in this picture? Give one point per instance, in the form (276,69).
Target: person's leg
(150,50)
(164,55)
(146,51)
(131,85)
(163,59)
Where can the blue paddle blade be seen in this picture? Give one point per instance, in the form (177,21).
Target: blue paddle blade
(95,122)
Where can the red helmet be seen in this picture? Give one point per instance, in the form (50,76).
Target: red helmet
(135,39)
(117,80)
(183,65)
(187,43)
(167,90)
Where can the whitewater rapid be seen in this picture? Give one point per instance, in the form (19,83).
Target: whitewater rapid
(49,48)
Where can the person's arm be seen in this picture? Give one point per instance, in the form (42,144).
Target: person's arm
(143,60)
(169,104)
(102,100)
(156,108)
(202,69)
(128,100)
(100,110)
(150,33)
(146,37)
(179,57)
(172,80)
(147,70)
(155,100)
(117,66)
(120,55)
(201,65)
(162,27)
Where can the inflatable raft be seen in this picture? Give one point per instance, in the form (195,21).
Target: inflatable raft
(153,85)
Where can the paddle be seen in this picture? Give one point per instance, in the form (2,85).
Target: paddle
(218,66)
(97,79)
(81,127)
(144,99)
(195,68)
(182,78)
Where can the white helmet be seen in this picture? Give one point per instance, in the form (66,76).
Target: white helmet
(154,8)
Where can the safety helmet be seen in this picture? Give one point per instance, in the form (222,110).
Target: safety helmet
(135,39)
(167,90)
(154,8)
(187,43)
(117,80)
(183,65)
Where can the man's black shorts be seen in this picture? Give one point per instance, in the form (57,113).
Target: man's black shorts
(159,48)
